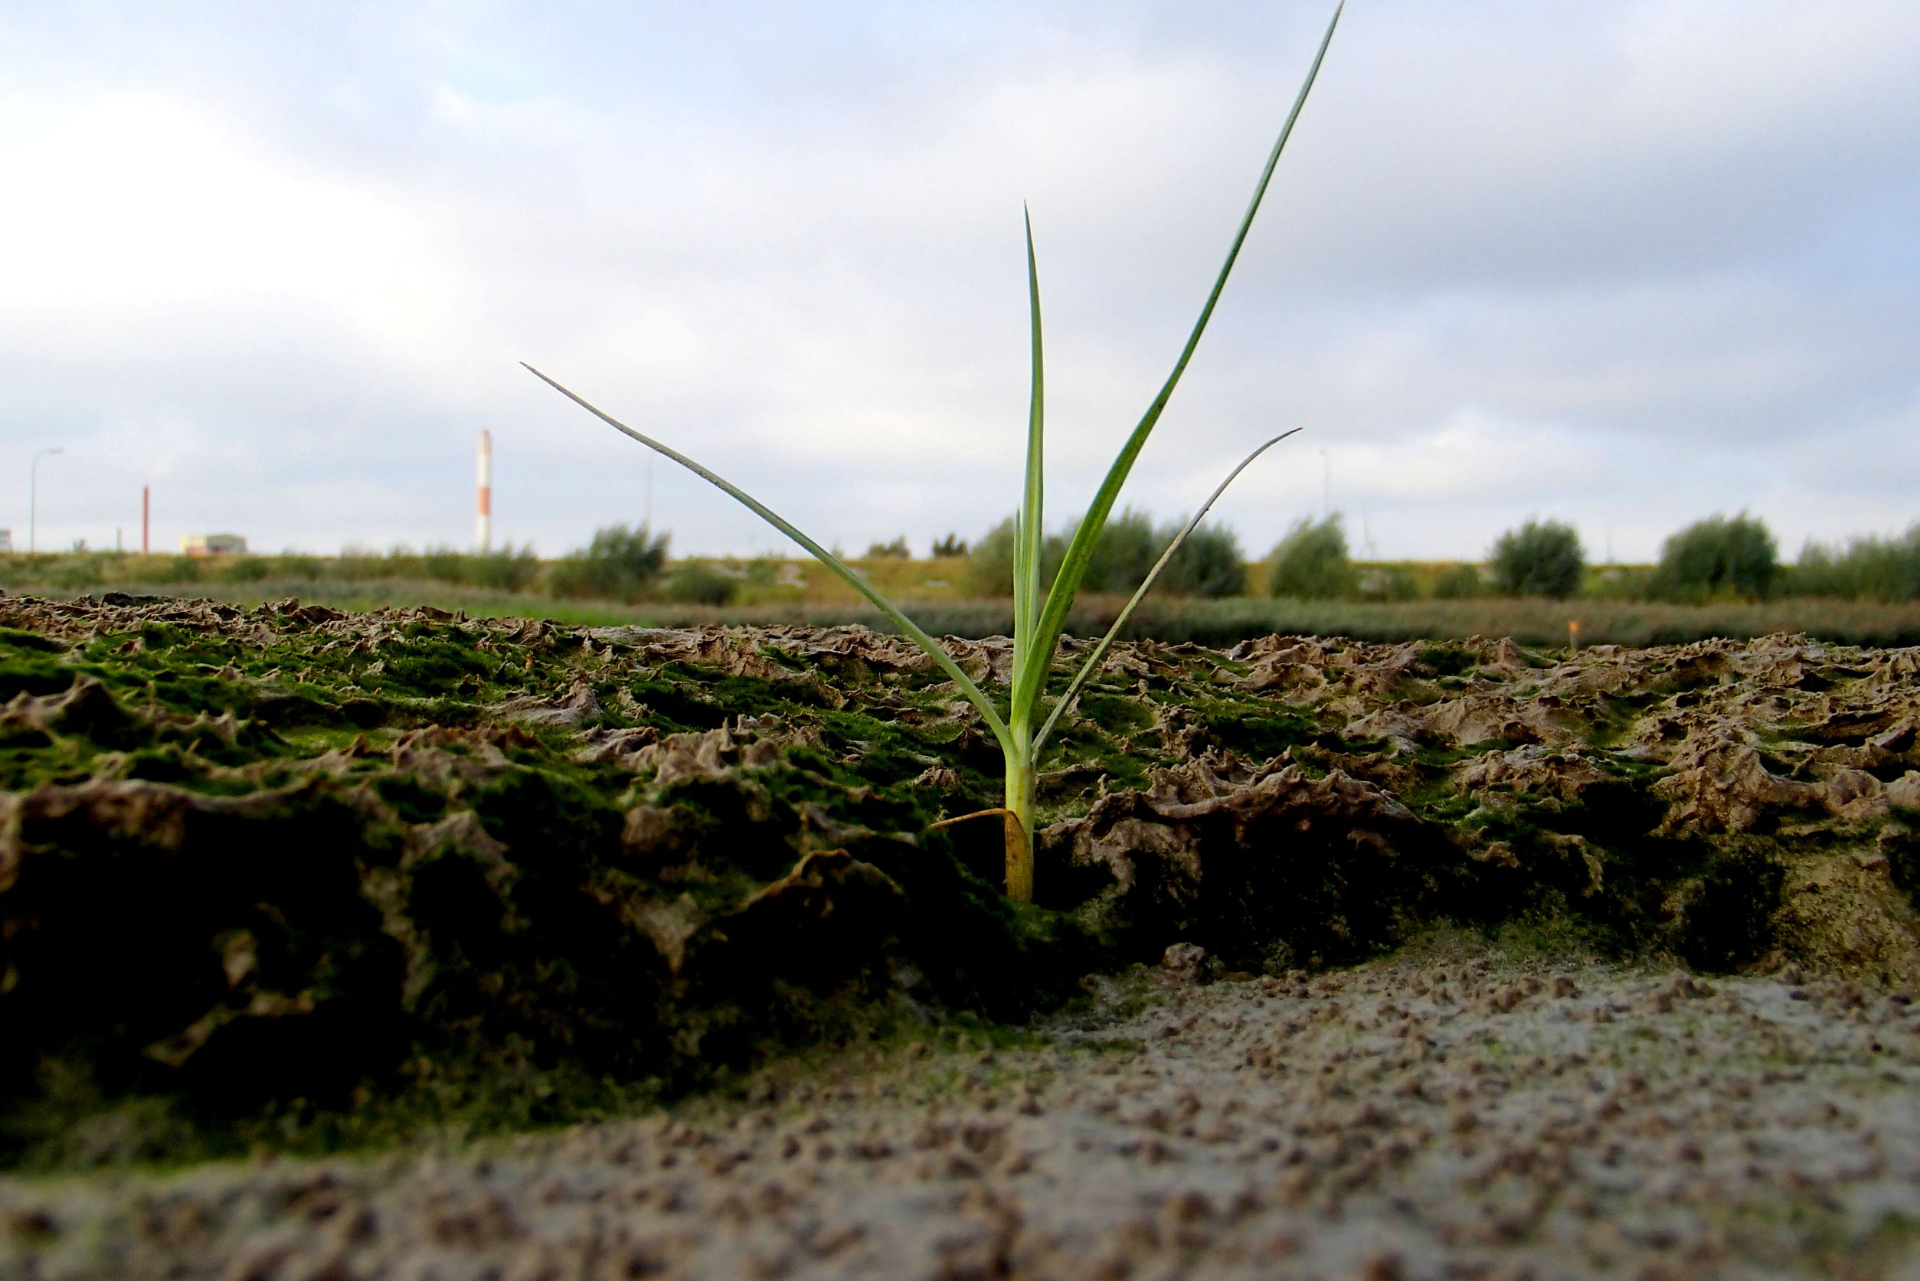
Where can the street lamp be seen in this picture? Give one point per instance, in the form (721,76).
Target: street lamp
(33,495)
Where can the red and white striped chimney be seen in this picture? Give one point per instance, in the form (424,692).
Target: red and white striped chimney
(483,515)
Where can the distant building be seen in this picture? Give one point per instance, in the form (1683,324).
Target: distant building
(213,545)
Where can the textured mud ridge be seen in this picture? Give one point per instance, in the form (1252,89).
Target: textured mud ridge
(1423,1119)
(274,871)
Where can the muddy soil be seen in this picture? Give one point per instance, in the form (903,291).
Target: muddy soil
(300,878)
(1441,1115)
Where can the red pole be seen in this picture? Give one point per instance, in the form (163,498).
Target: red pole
(146,509)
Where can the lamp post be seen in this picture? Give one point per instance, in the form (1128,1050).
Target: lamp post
(33,495)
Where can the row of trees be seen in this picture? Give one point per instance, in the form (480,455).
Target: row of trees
(1719,557)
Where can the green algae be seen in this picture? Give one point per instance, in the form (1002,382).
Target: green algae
(429,869)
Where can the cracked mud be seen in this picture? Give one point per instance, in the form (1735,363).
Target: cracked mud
(291,880)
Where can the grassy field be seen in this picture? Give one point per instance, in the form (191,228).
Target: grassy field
(937,593)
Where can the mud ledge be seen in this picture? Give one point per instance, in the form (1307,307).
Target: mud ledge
(305,878)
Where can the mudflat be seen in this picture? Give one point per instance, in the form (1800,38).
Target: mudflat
(410,944)
(1450,1114)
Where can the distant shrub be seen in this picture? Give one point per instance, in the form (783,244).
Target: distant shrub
(1388,582)
(306,567)
(1208,564)
(951,545)
(990,568)
(619,564)
(695,582)
(182,569)
(1620,582)
(895,550)
(1541,558)
(506,570)
(444,565)
(761,571)
(1879,569)
(1459,582)
(81,569)
(243,569)
(1311,562)
(1716,557)
(1124,553)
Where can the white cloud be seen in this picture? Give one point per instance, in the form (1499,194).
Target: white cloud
(1622,264)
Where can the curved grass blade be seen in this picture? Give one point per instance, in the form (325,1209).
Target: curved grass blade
(907,625)
(1053,616)
(1094,659)
(1030,536)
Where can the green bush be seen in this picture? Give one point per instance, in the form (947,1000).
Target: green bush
(1208,564)
(695,582)
(300,567)
(1389,582)
(619,564)
(243,569)
(1541,558)
(1459,582)
(1124,554)
(506,570)
(183,569)
(1880,569)
(895,550)
(1717,557)
(1311,562)
(81,569)
(951,545)
(444,564)
(990,571)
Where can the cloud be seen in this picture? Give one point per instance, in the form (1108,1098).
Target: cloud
(1625,265)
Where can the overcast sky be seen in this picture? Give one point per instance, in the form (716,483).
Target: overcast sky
(1624,264)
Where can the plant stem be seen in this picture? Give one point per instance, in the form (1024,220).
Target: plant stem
(1019,828)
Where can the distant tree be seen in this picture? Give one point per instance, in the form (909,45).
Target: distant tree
(1717,556)
(1388,583)
(1312,563)
(990,567)
(895,550)
(1208,564)
(1124,552)
(951,545)
(696,582)
(619,564)
(1541,558)
(1878,568)
(1459,582)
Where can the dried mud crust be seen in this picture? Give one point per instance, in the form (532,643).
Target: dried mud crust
(291,863)
(1441,1117)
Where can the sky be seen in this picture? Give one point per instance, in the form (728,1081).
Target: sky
(1620,264)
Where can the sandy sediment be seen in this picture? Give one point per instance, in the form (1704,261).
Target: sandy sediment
(1442,1116)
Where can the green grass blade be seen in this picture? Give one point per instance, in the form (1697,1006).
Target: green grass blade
(1031,537)
(933,648)
(1053,617)
(1094,659)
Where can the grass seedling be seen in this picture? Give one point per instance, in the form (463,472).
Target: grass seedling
(1039,617)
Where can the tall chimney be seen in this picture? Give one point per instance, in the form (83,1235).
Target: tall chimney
(483,516)
(146,511)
